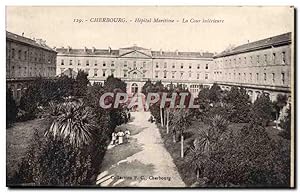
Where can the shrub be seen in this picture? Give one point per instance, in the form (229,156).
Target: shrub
(262,110)
(249,159)
(286,125)
(241,105)
(54,162)
(11,108)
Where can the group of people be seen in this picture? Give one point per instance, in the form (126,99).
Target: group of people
(120,137)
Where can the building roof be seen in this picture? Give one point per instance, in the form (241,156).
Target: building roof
(104,52)
(257,45)
(124,51)
(41,44)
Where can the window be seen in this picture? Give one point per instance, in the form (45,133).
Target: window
(144,64)
(165,65)
(78,63)
(206,66)
(273,77)
(251,59)
(134,88)
(95,72)
(125,73)
(173,66)
(257,57)
(25,55)
(181,66)
(25,70)
(95,63)
(165,74)
(134,64)
(198,66)
(87,63)
(112,63)
(190,74)
(181,74)
(245,60)
(266,58)
(19,54)
(250,76)
(156,74)
(125,63)
(62,62)
(173,74)
(190,66)
(257,76)
(103,73)
(157,65)
(198,75)
(265,77)
(274,58)
(112,72)
(282,78)
(104,64)
(206,76)
(62,71)
(70,62)
(13,53)
(283,57)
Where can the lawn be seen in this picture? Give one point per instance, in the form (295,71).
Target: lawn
(184,168)
(18,139)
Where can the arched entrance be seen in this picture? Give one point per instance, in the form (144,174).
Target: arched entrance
(134,88)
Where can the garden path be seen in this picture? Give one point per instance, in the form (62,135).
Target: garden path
(142,162)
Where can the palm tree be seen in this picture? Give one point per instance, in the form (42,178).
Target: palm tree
(181,121)
(74,123)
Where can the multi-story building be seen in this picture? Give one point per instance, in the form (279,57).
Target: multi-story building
(260,66)
(135,65)
(27,59)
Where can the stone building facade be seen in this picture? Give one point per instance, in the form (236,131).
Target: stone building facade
(27,59)
(260,66)
(135,65)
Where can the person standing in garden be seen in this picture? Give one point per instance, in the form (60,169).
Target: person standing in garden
(127,134)
(120,137)
(113,138)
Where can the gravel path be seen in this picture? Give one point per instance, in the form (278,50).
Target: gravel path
(143,162)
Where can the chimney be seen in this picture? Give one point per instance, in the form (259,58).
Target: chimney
(109,49)
(85,49)
(69,48)
(160,51)
(93,49)
(23,34)
(176,52)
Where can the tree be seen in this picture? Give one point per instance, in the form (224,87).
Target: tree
(286,125)
(147,87)
(281,101)
(206,142)
(75,123)
(81,83)
(249,158)
(180,122)
(240,102)
(112,84)
(262,110)
(214,94)
(11,108)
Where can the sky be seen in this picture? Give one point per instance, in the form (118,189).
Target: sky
(240,24)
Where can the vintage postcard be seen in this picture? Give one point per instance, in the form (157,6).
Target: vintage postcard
(150,96)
